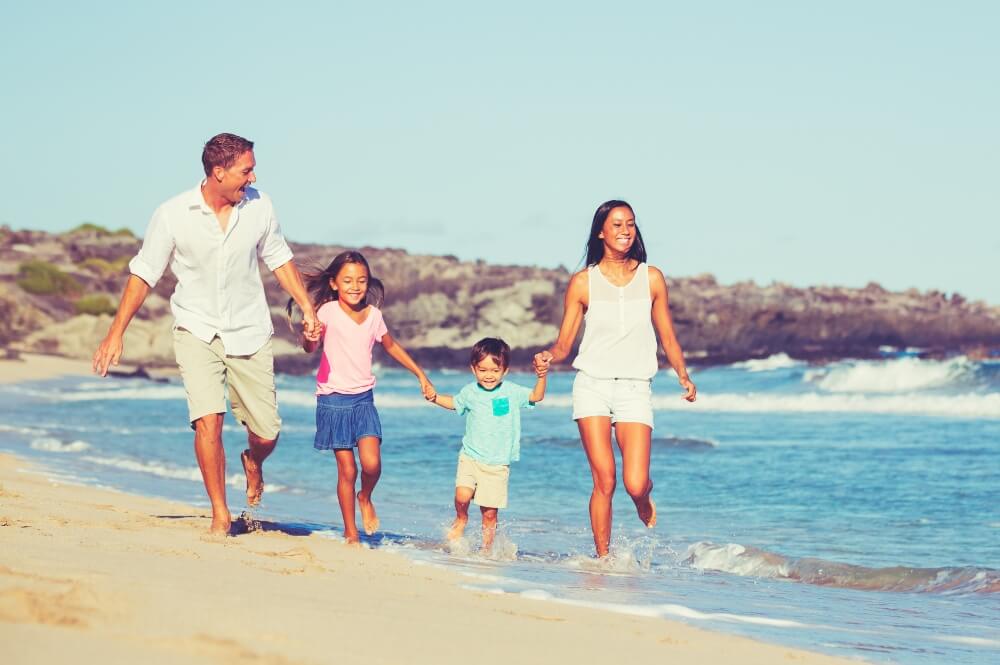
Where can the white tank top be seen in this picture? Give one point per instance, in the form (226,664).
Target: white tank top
(618,338)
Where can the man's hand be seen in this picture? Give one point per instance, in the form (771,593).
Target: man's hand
(107,354)
(312,329)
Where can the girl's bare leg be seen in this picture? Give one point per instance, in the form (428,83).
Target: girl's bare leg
(370,454)
(463,496)
(489,527)
(634,442)
(595,433)
(347,475)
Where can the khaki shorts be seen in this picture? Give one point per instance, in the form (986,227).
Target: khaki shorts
(487,481)
(207,370)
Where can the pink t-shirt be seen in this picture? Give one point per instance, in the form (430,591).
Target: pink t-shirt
(346,366)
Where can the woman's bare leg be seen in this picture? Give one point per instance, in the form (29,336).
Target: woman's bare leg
(595,433)
(634,440)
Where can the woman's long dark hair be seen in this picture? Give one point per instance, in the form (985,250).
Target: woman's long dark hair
(595,246)
(318,283)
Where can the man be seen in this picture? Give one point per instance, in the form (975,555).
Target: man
(212,237)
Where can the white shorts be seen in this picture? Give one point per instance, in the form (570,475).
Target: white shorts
(623,400)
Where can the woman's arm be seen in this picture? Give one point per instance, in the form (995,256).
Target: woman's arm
(665,329)
(574,306)
(399,354)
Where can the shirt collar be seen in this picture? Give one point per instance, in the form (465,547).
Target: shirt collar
(196,200)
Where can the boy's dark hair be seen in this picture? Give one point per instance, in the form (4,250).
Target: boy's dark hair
(495,348)
(223,150)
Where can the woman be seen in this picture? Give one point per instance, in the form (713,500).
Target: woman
(624,303)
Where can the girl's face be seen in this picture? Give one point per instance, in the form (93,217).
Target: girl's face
(351,284)
(618,232)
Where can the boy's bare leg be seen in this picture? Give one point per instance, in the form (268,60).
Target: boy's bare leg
(347,476)
(371,469)
(489,527)
(463,496)
(253,465)
(212,462)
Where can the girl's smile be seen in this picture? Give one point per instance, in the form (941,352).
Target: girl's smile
(351,285)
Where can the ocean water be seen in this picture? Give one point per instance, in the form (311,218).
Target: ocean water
(851,508)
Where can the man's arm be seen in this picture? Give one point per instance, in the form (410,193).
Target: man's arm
(110,349)
(290,279)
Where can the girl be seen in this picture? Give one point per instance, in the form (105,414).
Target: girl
(624,302)
(347,297)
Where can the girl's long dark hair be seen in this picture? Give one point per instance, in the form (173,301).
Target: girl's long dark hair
(595,246)
(318,283)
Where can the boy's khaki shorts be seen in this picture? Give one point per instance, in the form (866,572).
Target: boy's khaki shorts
(488,481)
(207,370)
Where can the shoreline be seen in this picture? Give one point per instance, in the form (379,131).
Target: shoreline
(103,575)
(99,574)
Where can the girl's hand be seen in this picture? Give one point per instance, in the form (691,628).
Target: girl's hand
(427,388)
(691,392)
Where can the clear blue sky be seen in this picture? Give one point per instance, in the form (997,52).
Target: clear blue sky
(806,142)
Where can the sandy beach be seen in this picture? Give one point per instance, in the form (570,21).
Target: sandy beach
(98,576)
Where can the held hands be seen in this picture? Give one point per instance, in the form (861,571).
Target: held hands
(427,388)
(691,392)
(312,329)
(541,363)
(107,354)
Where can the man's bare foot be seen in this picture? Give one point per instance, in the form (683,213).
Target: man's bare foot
(221,524)
(352,538)
(457,528)
(255,478)
(648,517)
(368,516)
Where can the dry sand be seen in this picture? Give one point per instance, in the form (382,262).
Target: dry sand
(90,575)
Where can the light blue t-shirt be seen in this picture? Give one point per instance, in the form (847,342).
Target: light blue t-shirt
(492,421)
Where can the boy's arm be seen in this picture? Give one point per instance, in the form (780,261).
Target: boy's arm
(446,401)
(538,392)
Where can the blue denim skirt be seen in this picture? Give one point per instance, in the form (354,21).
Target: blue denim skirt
(343,419)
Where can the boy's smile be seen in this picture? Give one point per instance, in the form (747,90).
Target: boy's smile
(488,372)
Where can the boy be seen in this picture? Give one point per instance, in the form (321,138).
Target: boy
(492,434)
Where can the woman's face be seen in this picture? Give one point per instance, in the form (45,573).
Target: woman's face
(351,284)
(618,232)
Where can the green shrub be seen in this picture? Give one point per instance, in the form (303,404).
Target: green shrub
(127,232)
(107,268)
(45,279)
(94,304)
(89,227)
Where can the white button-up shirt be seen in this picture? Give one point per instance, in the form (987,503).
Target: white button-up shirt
(219,290)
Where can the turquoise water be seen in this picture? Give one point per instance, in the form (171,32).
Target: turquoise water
(850,508)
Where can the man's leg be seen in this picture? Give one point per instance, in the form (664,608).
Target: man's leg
(204,373)
(212,462)
(254,402)
(253,464)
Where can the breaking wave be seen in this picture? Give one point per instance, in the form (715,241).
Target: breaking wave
(893,376)
(752,562)
(777,361)
(172,472)
(53,445)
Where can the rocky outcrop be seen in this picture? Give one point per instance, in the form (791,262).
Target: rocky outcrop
(438,306)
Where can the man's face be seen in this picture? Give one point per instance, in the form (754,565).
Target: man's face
(235,179)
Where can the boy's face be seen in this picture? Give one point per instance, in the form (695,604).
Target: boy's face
(488,372)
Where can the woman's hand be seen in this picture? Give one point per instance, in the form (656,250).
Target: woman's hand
(427,388)
(691,392)
(541,362)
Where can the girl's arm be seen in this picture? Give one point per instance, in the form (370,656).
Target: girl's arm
(665,329)
(573,310)
(399,354)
